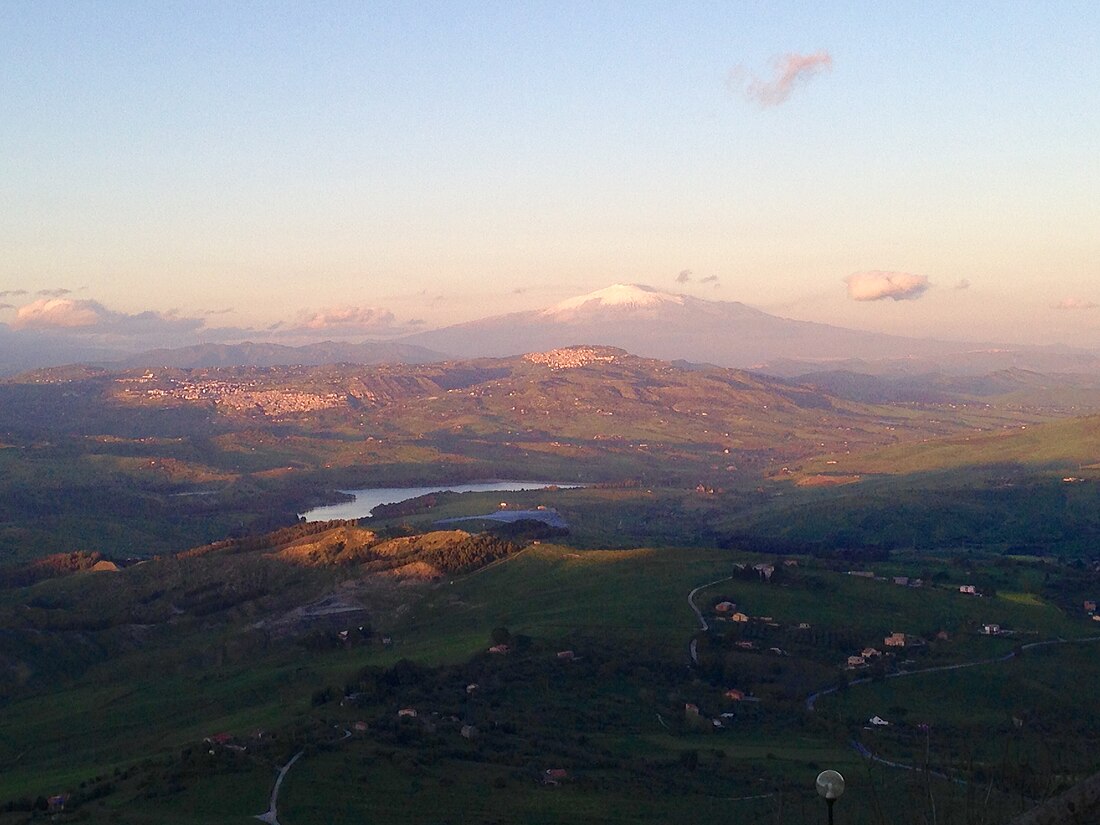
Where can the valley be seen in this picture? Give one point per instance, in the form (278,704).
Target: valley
(173,633)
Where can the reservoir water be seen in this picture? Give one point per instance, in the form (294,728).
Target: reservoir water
(366,500)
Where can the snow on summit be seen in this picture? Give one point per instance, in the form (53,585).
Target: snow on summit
(622,296)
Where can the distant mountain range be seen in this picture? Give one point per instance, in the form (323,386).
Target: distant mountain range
(633,317)
(251,354)
(655,324)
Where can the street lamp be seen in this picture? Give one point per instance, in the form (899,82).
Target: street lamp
(830,785)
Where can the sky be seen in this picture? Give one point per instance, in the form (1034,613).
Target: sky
(226,171)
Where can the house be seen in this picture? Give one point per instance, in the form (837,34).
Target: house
(863,574)
(406,713)
(895,640)
(469,732)
(734,695)
(691,709)
(803,625)
(746,645)
(470,688)
(739,617)
(765,570)
(968,588)
(943,636)
(56,804)
(566,655)
(725,607)
(500,650)
(1090,606)
(902,580)
(360,726)
(856,661)
(991,629)
(878,720)
(778,651)
(870,653)
(916,582)
(790,562)
(222,739)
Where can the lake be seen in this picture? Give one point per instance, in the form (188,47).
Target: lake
(367,500)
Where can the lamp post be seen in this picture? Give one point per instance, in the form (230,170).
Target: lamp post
(830,785)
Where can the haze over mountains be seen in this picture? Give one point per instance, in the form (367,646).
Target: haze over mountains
(633,317)
(656,324)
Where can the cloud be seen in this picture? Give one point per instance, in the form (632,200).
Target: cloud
(11,293)
(962,283)
(87,316)
(789,71)
(710,279)
(684,276)
(7,306)
(876,286)
(352,319)
(225,311)
(1075,303)
(519,290)
(53,293)
(55,313)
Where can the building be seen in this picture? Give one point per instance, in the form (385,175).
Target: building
(895,640)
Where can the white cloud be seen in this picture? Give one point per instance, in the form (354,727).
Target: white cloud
(962,283)
(789,71)
(54,313)
(876,286)
(345,319)
(89,316)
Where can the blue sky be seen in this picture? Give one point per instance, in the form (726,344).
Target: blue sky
(359,167)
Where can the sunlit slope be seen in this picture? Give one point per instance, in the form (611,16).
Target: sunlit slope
(1057,446)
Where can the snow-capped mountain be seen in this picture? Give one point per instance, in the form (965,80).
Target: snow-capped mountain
(657,324)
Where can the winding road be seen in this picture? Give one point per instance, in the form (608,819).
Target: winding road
(811,700)
(272,815)
(693,648)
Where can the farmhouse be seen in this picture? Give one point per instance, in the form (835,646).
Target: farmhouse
(991,629)
(856,661)
(765,570)
(739,617)
(406,713)
(969,589)
(895,640)
(725,607)
(734,695)
(870,652)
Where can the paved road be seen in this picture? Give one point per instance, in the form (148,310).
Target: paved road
(811,700)
(272,815)
(693,647)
